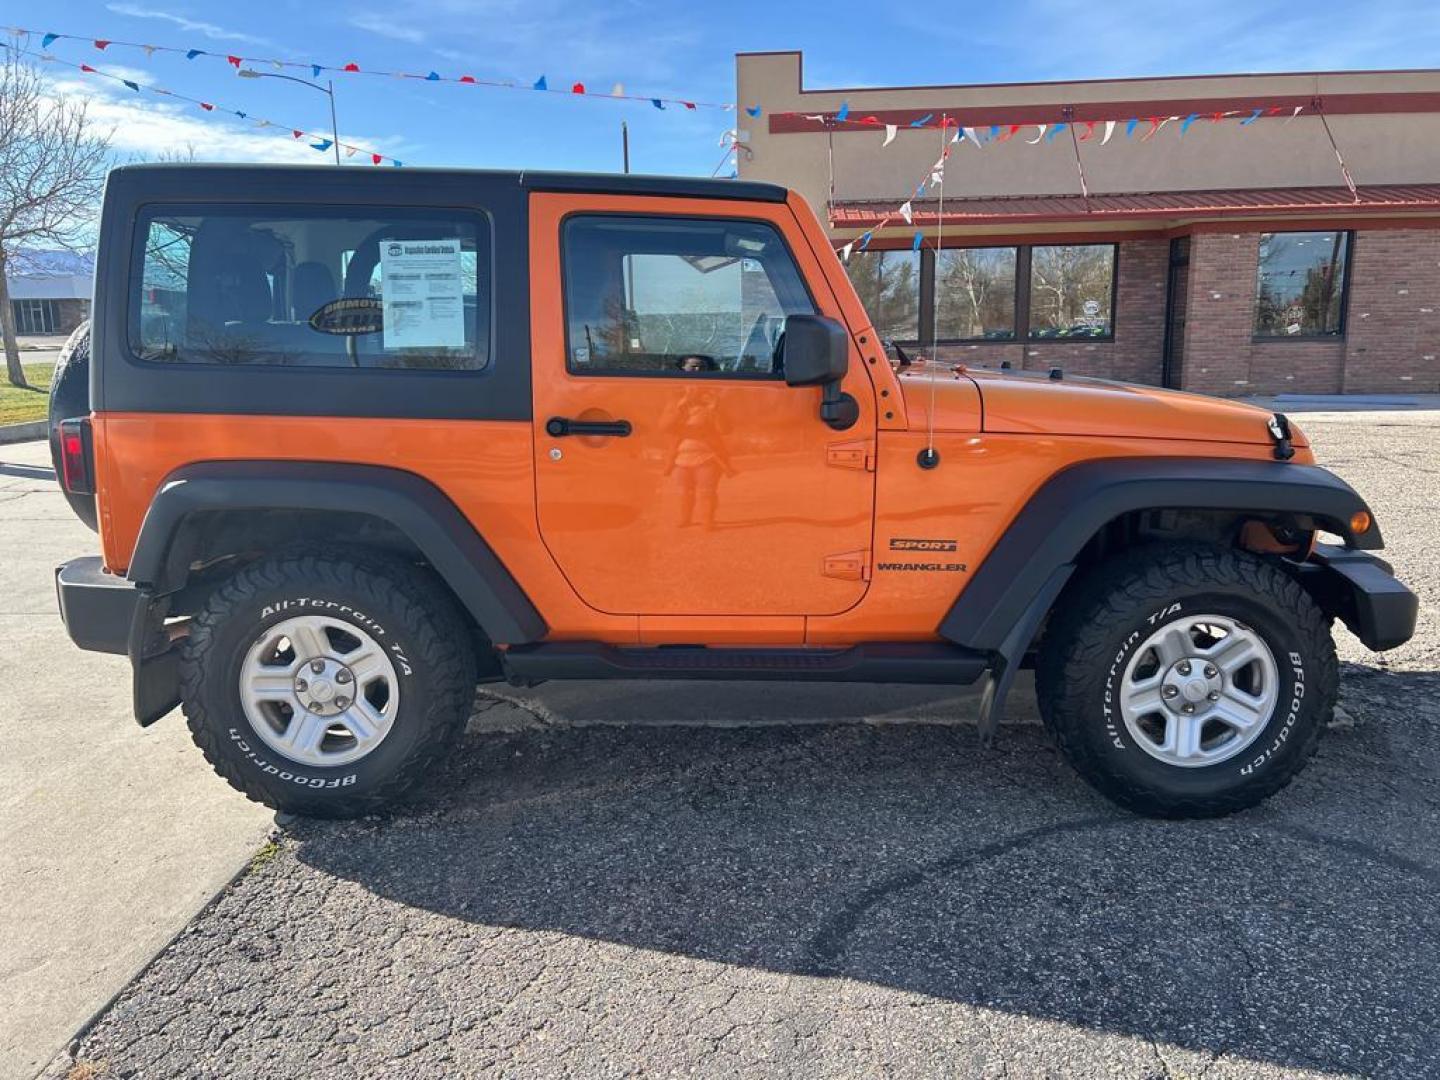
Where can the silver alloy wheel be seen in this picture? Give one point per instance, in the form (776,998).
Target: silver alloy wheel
(1199,690)
(319,690)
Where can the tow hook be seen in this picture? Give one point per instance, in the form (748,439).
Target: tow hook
(1279,426)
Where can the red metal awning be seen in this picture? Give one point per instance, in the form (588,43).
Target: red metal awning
(1140,206)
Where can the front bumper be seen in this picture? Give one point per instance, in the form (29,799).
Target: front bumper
(1363,592)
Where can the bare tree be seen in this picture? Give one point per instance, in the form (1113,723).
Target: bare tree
(52,169)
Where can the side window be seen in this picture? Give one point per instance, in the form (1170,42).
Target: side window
(677,296)
(364,287)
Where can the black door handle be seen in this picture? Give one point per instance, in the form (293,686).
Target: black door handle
(558,427)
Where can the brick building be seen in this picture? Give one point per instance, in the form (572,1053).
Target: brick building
(1217,256)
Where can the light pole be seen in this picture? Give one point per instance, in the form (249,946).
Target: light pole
(328,90)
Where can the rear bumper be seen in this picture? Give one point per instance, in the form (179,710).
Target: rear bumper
(98,608)
(105,613)
(1363,592)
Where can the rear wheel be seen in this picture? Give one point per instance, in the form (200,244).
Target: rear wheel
(1187,681)
(327,684)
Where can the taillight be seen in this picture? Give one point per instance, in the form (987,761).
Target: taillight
(77,471)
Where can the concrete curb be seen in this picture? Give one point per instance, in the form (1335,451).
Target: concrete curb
(13,433)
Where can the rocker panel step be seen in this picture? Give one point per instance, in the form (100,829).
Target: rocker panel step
(881,662)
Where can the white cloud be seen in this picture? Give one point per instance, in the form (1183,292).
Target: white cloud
(183,22)
(387,26)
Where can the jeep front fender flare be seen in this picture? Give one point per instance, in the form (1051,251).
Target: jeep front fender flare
(421,511)
(1077,502)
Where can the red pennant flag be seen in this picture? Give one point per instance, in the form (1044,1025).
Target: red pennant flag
(1089,129)
(234,61)
(1274,110)
(374,159)
(1009,133)
(297,133)
(870,120)
(101,43)
(352,66)
(207,106)
(688,104)
(578,88)
(467,78)
(87,67)
(1217,117)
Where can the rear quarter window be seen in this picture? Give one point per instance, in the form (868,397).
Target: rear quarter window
(291,286)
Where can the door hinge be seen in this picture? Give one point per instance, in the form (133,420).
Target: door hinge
(848,565)
(859,454)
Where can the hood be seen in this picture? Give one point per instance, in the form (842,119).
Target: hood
(1035,404)
(955,394)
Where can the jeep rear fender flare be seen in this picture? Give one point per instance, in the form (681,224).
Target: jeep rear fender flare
(1076,503)
(165,550)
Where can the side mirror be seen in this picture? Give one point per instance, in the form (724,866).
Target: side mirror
(816,352)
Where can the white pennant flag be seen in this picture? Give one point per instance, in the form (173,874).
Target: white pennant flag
(890,130)
(1039,136)
(845,251)
(1109,130)
(618,90)
(350,151)
(959,132)
(1298,110)
(149,50)
(973,136)
(905,212)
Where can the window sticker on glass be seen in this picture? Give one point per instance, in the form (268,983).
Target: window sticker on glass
(421,287)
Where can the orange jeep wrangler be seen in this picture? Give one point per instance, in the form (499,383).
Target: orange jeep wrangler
(355,441)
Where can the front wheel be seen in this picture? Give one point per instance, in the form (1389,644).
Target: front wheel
(326,684)
(1187,681)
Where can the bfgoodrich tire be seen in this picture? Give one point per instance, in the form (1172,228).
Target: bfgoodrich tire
(326,684)
(1187,681)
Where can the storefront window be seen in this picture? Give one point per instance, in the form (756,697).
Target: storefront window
(1300,284)
(889,286)
(1071,291)
(975,294)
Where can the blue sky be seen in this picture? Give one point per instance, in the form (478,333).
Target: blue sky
(683,50)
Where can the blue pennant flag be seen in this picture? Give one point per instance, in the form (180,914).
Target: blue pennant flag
(396,163)
(752,110)
(322,145)
(541,84)
(864,241)
(133,86)
(240,114)
(314,71)
(434,76)
(1185,124)
(657,103)
(1130,126)
(994,131)
(1251,118)
(915,245)
(920,190)
(192,53)
(844,113)
(48,40)
(1050,135)
(923,120)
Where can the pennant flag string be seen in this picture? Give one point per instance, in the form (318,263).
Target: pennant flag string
(321,142)
(1046,131)
(574,88)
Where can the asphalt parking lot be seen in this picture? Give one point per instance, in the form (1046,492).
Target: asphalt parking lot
(580,894)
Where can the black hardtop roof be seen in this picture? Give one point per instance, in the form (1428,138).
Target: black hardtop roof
(598,183)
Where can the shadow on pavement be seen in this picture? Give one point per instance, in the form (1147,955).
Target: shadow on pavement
(1304,933)
(26,472)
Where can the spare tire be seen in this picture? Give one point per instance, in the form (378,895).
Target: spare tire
(69,398)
